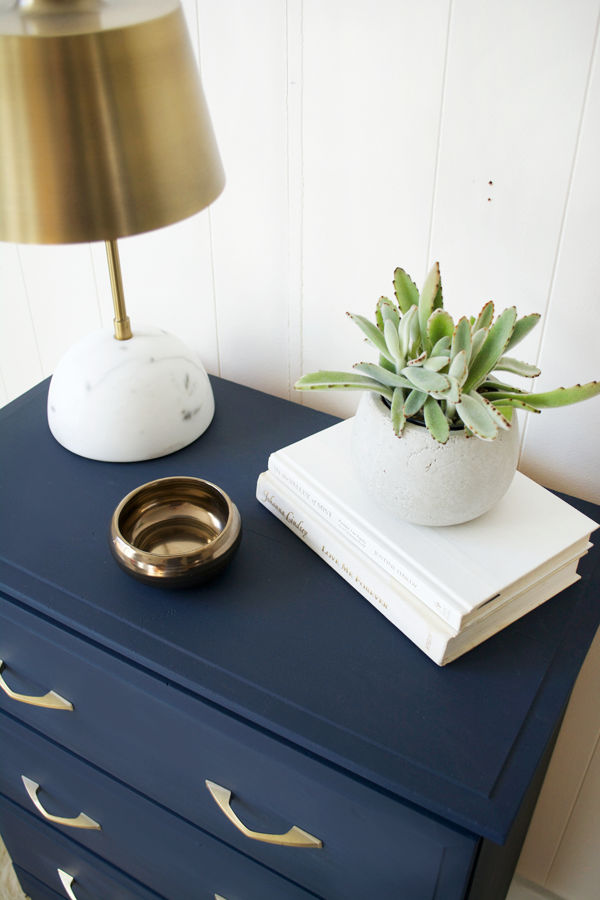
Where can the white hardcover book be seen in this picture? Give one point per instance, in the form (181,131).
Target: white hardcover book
(455,570)
(419,623)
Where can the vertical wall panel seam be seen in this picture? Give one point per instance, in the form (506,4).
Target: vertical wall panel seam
(289,200)
(29,313)
(213,282)
(295,191)
(561,230)
(428,261)
(213,279)
(95,276)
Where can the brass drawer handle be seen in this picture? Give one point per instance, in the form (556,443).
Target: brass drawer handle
(66,881)
(51,700)
(80,821)
(295,837)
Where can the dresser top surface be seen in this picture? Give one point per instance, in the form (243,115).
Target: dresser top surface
(279,638)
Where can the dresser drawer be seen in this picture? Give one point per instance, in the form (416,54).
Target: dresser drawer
(39,852)
(167,743)
(150,844)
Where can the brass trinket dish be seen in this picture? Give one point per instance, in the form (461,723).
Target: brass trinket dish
(175,532)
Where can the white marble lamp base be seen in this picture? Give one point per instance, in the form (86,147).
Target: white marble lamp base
(125,401)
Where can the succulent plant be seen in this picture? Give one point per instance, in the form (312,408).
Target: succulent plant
(438,372)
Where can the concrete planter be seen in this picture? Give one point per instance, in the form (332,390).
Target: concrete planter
(423,481)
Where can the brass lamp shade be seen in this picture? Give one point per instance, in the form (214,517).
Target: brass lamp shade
(104,129)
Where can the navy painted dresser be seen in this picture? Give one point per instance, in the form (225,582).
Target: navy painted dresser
(276,682)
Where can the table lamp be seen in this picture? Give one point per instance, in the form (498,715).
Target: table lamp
(104,132)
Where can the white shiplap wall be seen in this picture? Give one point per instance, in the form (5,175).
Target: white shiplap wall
(358,135)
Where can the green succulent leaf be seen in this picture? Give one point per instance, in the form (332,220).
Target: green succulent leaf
(496,414)
(406,291)
(442,347)
(452,394)
(507,412)
(548,399)
(397,411)
(390,333)
(485,317)
(522,327)
(405,329)
(341,381)
(436,421)
(494,384)
(440,325)
(479,337)
(418,360)
(427,300)
(493,347)
(516,403)
(435,363)
(414,402)
(459,367)
(507,364)
(373,335)
(388,310)
(461,338)
(476,417)
(383,376)
(386,364)
(425,380)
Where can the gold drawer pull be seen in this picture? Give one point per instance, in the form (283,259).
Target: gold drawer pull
(295,837)
(66,881)
(51,700)
(80,821)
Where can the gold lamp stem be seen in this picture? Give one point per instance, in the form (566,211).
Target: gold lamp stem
(121,321)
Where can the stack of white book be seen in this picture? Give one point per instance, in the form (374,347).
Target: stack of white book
(447,588)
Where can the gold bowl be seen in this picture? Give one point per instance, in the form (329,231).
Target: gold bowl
(175,532)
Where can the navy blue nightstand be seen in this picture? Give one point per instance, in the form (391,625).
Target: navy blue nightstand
(275,681)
